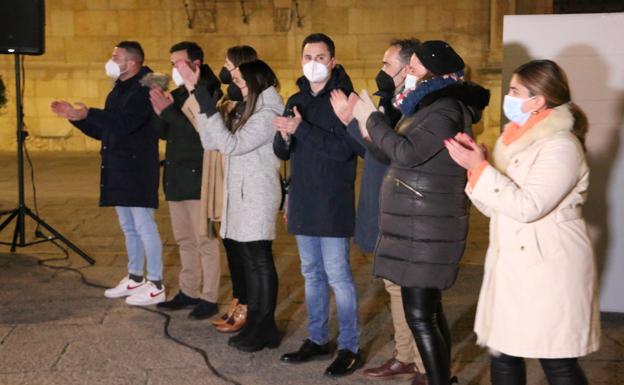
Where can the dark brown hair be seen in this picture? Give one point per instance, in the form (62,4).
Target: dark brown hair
(240,54)
(320,38)
(133,50)
(193,50)
(546,78)
(258,76)
(407,47)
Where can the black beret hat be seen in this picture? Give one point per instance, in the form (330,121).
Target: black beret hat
(439,57)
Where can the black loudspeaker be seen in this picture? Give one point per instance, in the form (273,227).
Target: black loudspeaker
(22,27)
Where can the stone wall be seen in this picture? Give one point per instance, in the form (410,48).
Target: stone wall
(80,35)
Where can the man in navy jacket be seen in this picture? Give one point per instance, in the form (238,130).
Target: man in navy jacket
(130,168)
(321,205)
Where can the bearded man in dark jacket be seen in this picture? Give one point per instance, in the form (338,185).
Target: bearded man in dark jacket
(321,205)
(182,179)
(129,170)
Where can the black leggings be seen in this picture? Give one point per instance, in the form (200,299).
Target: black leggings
(426,320)
(510,370)
(254,279)
(261,282)
(237,270)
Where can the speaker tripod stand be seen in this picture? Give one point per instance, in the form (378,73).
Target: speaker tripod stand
(22,211)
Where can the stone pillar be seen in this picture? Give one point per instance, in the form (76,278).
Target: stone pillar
(498,9)
(490,74)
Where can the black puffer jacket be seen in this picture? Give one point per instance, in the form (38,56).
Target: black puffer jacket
(423,209)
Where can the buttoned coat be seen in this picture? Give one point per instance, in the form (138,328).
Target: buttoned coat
(251,189)
(538,298)
(129,144)
(184,154)
(323,160)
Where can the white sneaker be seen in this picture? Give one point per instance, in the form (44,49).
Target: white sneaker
(124,288)
(147,294)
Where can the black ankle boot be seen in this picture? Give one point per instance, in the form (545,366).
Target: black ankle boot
(244,331)
(259,338)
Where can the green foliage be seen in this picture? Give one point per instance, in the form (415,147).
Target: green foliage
(3,99)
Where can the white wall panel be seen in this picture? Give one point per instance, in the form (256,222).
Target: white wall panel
(590,48)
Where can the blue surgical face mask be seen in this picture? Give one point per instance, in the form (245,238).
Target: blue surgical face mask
(512,107)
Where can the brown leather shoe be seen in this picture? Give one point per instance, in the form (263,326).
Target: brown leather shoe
(391,369)
(236,321)
(224,317)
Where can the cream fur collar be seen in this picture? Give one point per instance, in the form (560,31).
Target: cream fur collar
(560,119)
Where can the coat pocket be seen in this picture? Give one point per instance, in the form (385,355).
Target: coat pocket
(402,187)
(528,251)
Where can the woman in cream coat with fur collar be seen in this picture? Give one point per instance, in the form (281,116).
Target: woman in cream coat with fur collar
(539,293)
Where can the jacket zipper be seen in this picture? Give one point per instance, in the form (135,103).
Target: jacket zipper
(399,182)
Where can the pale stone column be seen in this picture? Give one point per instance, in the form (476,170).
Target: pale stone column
(490,74)
(498,9)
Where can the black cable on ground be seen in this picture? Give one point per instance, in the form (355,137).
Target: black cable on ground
(83,279)
(167,317)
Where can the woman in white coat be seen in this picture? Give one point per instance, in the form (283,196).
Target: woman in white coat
(539,293)
(252,190)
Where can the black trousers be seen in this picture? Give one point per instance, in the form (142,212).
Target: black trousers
(510,370)
(426,320)
(237,270)
(260,281)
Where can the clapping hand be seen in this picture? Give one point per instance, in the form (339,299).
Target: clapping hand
(343,106)
(287,125)
(160,100)
(65,110)
(190,77)
(465,152)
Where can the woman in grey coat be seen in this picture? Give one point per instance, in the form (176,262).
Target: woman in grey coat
(251,191)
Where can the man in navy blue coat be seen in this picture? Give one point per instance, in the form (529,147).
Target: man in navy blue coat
(321,202)
(130,168)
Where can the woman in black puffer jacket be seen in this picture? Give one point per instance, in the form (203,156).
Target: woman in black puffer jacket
(424,211)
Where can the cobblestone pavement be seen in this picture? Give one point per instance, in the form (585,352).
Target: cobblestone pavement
(56,330)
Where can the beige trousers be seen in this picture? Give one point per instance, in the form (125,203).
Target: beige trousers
(405,346)
(199,254)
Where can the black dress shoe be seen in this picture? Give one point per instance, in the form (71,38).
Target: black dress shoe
(306,352)
(180,301)
(203,310)
(345,363)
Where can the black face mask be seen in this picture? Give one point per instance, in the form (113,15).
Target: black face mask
(234,93)
(385,82)
(225,76)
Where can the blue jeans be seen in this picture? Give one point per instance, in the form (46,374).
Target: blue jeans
(142,240)
(325,263)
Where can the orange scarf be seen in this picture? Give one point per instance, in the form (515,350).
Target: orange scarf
(511,132)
